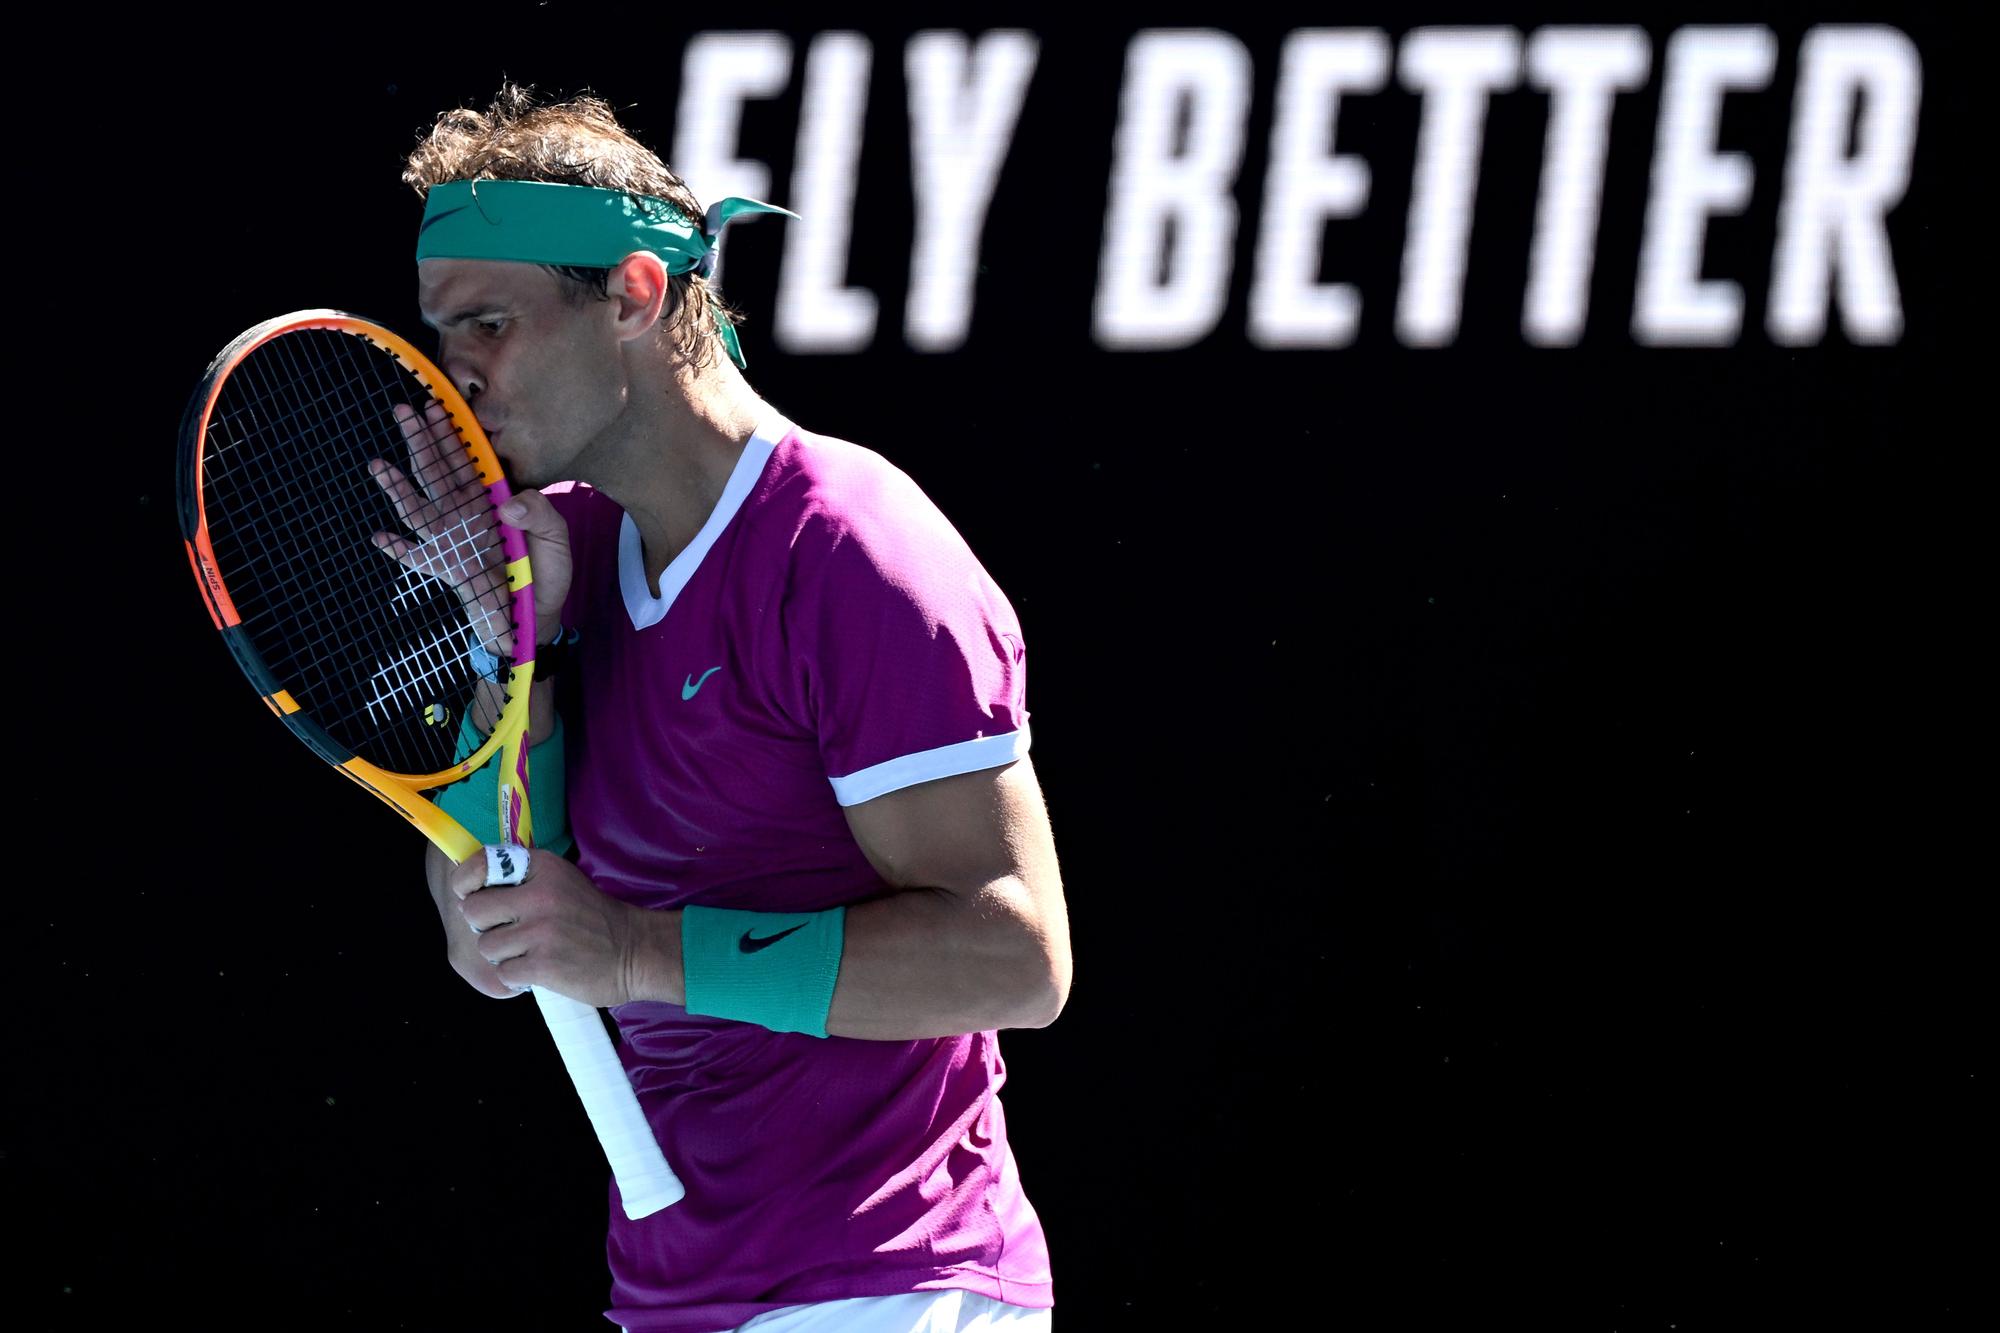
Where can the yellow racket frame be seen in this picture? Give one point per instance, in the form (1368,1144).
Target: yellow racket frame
(402,791)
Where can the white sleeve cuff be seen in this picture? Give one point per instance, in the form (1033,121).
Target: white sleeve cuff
(926,765)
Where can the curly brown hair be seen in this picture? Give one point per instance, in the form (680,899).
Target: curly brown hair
(573,142)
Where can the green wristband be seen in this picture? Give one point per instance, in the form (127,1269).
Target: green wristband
(474,800)
(774,969)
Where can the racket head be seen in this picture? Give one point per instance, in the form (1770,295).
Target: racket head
(373,657)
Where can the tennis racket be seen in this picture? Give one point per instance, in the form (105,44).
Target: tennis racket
(339,504)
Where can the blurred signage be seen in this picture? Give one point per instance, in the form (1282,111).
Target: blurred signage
(1167,242)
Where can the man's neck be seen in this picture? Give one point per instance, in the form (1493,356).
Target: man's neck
(669,469)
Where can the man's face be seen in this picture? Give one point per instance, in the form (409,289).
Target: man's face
(545,375)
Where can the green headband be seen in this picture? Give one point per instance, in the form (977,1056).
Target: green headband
(536,222)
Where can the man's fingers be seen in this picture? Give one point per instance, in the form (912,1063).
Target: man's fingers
(437,454)
(532,513)
(487,912)
(408,420)
(416,508)
(467,877)
(416,427)
(499,866)
(458,542)
(439,457)
(395,547)
(425,559)
(410,508)
(547,535)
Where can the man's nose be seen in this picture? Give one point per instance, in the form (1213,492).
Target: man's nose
(464,373)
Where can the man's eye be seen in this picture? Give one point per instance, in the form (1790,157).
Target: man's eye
(490,325)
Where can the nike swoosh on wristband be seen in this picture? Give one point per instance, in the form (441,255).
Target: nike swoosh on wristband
(691,686)
(751,944)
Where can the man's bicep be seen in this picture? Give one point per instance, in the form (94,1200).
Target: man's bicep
(960,833)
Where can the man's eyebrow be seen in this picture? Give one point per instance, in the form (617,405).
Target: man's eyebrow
(471,312)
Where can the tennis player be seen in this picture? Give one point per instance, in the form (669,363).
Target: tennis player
(813,872)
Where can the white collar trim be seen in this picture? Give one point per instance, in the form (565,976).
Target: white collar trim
(647,610)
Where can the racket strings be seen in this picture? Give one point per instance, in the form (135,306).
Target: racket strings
(418,672)
(317,669)
(380,654)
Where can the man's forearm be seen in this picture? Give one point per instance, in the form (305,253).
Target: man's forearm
(917,963)
(930,963)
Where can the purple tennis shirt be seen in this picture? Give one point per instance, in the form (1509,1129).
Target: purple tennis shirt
(827,637)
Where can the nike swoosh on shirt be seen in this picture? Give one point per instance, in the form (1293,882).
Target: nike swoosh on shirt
(690,686)
(751,944)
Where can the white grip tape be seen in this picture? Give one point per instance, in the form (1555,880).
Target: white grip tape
(646,1183)
(506,863)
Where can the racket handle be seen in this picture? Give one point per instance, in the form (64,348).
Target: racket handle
(646,1183)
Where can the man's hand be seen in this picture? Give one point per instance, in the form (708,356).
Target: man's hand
(556,929)
(547,534)
(461,945)
(444,506)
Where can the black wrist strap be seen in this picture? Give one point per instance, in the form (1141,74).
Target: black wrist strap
(551,658)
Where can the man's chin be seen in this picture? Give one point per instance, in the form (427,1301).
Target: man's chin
(516,473)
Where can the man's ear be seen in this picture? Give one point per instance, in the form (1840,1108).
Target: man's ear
(638,287)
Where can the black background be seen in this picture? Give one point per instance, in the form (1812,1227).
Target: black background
(1515,804)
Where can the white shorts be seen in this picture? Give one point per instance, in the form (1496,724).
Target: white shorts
(951,1311)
